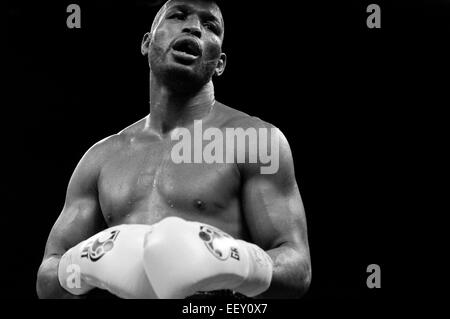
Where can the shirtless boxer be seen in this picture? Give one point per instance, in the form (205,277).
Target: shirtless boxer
(141,226)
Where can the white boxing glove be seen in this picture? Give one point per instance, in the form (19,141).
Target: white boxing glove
(182,258)
(110,260)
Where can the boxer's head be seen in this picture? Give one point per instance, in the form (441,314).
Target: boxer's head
(184,46)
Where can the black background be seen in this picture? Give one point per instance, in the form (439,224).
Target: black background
(351,101)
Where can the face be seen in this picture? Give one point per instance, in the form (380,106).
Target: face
(184,47)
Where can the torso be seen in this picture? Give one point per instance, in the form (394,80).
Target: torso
(140,184)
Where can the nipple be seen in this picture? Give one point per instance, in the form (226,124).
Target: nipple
(199,204)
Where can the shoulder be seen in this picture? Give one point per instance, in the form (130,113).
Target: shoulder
(263,142)
(88,169)
(103,149)
(133,129)
(233,118)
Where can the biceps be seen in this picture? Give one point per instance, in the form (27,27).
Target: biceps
(274,217)
(79,220)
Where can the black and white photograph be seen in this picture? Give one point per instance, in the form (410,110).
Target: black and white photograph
(234,152)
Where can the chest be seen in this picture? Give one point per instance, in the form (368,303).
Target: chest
(142,177)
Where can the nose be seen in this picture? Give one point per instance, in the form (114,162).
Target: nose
(193,26)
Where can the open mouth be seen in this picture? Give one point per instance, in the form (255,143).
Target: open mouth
(188,48)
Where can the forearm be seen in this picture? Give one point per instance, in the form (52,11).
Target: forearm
(291,273)
(47,284)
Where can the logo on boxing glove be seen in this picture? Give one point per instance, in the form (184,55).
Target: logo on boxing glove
(97,249)
(218,243)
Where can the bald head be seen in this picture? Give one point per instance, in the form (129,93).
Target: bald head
(215,10)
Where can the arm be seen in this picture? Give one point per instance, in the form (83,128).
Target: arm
(276,220)
(80,218)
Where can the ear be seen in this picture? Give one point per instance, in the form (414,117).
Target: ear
(221,64)
(146,43)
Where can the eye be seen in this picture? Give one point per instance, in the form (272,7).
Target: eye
(211,26)
(177,16)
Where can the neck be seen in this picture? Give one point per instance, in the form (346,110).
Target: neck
(169,109)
